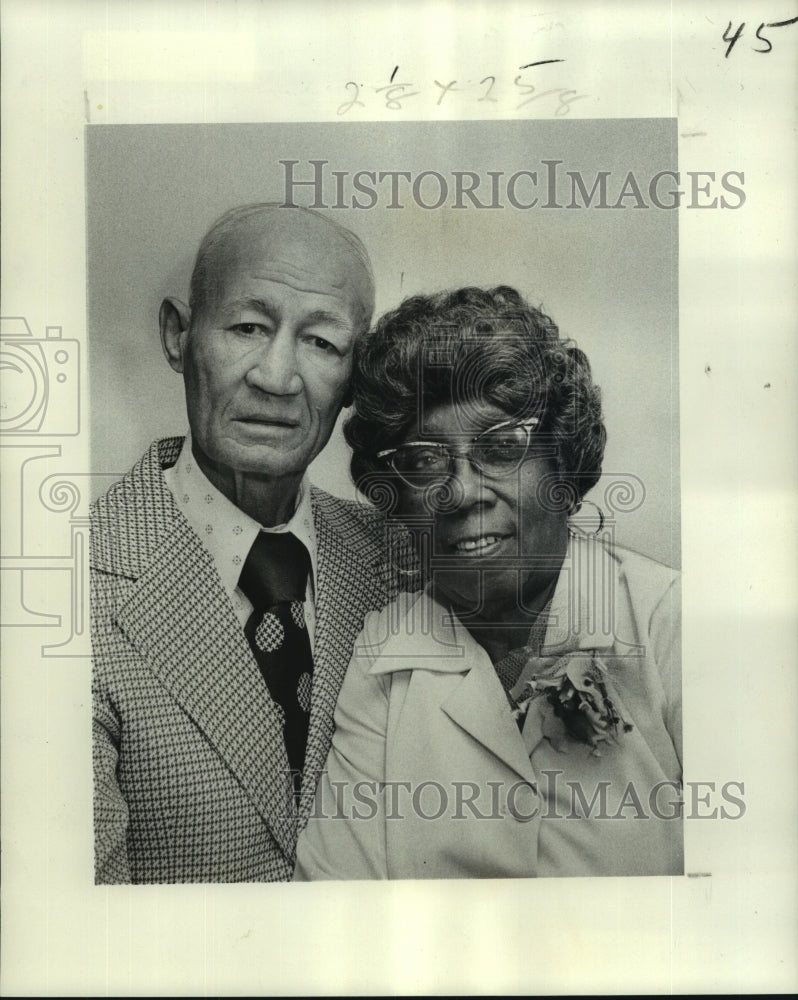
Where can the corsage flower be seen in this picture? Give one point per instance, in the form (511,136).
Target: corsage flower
(578,693)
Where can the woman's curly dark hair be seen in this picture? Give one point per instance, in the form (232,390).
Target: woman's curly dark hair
(473,344)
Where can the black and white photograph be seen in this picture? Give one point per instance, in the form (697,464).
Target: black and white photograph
(512,702)
(397,452)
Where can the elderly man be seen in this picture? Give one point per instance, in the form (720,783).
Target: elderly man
(226,592)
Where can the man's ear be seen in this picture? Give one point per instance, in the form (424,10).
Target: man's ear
(174,319)
(348,397)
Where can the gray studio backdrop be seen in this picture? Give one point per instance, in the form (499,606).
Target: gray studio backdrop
(607,276)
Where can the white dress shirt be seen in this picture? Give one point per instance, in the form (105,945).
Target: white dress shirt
(228,533)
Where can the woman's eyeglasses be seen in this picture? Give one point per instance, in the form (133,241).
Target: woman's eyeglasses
(497,451)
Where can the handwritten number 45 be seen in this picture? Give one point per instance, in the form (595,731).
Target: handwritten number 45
(732,39)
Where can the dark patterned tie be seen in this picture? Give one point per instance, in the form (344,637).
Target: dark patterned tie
(274,578)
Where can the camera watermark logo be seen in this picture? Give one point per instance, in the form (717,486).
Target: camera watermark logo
(41,381)
(43,571)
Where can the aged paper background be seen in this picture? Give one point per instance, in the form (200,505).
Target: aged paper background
(729,925)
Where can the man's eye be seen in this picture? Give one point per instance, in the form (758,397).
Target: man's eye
(323,345)
(248,328)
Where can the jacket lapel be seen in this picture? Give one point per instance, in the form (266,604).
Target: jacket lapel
(177,615)
(348,586)
(180,619)
(480,707)
(582,612)
(475,701)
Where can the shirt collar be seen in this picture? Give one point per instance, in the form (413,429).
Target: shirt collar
(226,531)
(582,611)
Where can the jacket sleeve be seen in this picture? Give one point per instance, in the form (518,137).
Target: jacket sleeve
(665,630)
(345,835)
(111,862)
(110,809)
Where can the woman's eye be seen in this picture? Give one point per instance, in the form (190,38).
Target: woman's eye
(421,459)
(500,439)
(425,459)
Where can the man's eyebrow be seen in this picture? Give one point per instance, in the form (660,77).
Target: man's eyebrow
(256,305)
(330,318)
(267,308)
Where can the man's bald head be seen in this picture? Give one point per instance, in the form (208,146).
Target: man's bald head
(238,234)
(279,297)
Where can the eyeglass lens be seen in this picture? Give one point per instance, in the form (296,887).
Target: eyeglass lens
(498,450)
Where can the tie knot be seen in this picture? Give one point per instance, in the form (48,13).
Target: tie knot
(275,570)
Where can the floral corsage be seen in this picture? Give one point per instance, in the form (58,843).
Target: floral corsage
(578,694)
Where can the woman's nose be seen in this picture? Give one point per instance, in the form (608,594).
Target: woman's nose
(276,369)
(468,481)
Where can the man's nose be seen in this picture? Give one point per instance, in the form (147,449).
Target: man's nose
(275,369)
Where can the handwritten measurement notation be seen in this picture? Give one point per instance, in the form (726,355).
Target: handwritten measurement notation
(490,90)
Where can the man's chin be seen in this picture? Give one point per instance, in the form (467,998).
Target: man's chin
(269,463)
(263,459)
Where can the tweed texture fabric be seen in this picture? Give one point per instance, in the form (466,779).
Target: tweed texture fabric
(192,782)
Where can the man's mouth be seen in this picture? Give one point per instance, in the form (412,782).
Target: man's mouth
(259,421)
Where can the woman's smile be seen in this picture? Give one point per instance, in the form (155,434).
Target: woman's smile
(484,544)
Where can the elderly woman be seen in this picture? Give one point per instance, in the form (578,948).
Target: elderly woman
(519,715)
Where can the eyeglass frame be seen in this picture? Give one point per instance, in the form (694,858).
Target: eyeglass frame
(387,454)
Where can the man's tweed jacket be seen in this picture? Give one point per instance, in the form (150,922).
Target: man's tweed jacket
(189,759)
